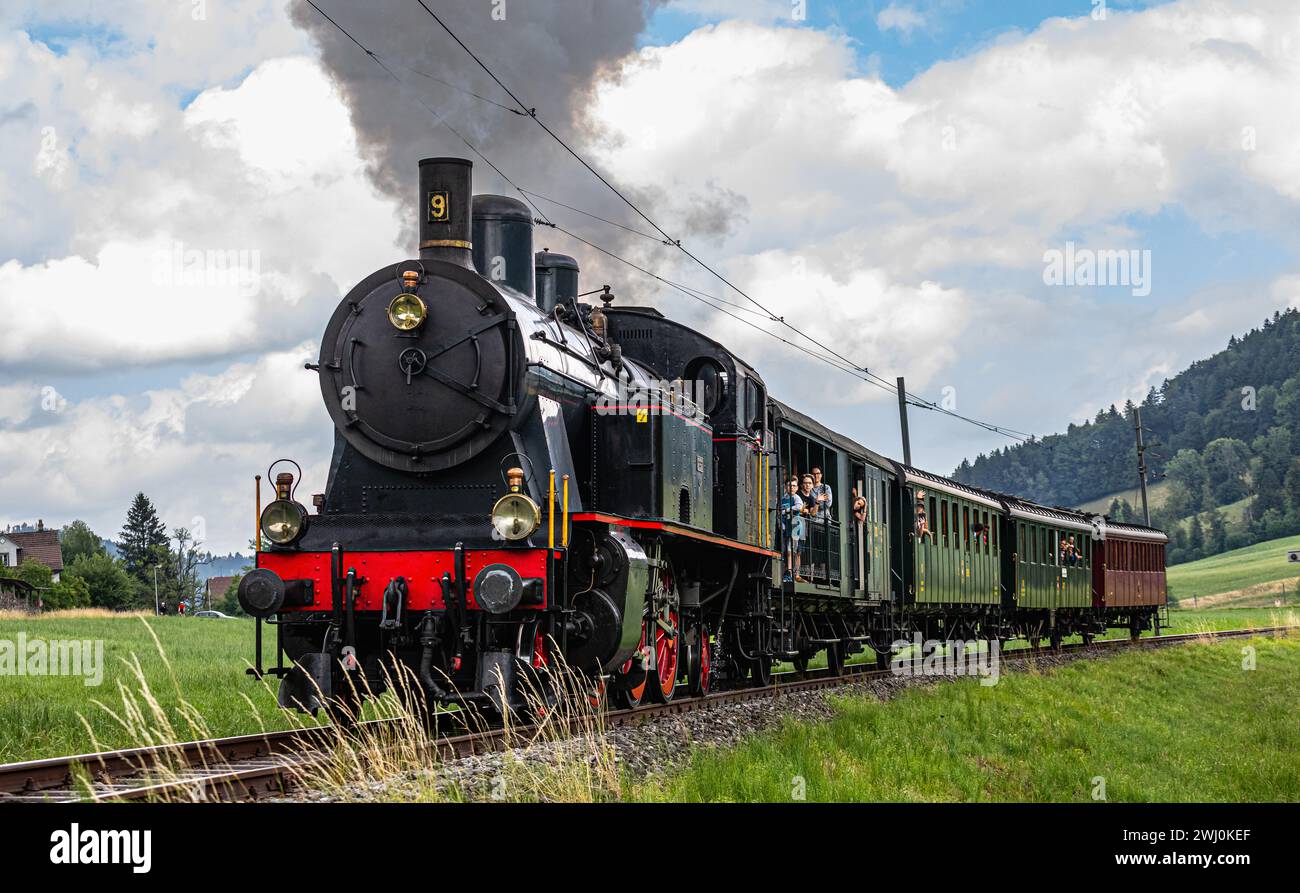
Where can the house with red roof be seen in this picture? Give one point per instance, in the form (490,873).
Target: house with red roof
(39,545)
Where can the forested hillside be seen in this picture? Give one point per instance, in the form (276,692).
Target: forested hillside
(1226,430)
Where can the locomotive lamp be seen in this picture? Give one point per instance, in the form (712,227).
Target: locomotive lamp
(515,516)
(407,312)
(284,521)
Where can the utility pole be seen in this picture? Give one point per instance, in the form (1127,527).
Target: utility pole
(902,421)
(155,590)
(1142,464)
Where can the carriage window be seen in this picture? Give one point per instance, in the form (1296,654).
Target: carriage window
(930,518)
(996,544)
(944,522)
(956,527)
(985,535)
(965,526)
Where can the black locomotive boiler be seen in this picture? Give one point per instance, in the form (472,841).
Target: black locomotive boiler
(519,476)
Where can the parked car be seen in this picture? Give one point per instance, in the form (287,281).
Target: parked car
(217,614)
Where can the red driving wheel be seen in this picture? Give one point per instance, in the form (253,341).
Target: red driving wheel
(666,650)
(699,667)
(631,683)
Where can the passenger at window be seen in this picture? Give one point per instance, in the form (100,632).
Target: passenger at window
(979,533)
(806,493)
(823,498)
(922,522)
(1070,553)
(792,509)
(859,506)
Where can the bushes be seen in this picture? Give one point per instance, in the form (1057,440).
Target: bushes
(106,580)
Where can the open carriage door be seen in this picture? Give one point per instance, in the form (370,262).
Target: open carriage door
(860,531)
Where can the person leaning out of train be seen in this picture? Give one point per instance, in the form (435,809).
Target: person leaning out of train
(859,506)
(792,508)
(823,498)
(1070,553)
(922,521)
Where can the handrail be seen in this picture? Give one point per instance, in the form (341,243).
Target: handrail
(550,514)
(564,530)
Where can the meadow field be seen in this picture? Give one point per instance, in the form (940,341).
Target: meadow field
(192,668)
(182,678)
(1249,575)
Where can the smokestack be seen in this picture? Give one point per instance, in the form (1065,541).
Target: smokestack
(446,187)
(503,241)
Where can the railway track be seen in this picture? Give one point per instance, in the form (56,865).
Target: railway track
(249,767)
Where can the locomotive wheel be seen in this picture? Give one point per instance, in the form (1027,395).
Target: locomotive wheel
(344,708)
(630,685)
(835,659)
(598,694)
(663,685)
(760,671)
(699,666)
(626,695)
(800,662)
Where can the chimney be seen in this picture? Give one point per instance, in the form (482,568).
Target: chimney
(445,192)
(40,525)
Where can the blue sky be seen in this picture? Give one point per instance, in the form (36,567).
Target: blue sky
(953,27)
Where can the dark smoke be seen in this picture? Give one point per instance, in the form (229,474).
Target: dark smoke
(550,53)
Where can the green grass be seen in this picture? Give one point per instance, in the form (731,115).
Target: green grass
(1233,571)
(1178,724)
(40,716)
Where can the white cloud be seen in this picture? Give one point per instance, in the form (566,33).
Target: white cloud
(194,448)
(899,18)
(230,242)
(966,175)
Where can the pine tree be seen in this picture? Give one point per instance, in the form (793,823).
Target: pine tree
(144,540)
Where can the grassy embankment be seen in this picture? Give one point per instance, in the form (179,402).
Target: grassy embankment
(1187,723)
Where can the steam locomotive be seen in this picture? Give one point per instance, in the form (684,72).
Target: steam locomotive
(520,476)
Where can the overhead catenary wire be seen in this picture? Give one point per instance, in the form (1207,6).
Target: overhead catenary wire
(827,355)
(531,112)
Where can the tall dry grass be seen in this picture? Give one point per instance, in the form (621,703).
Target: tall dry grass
(552,749)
